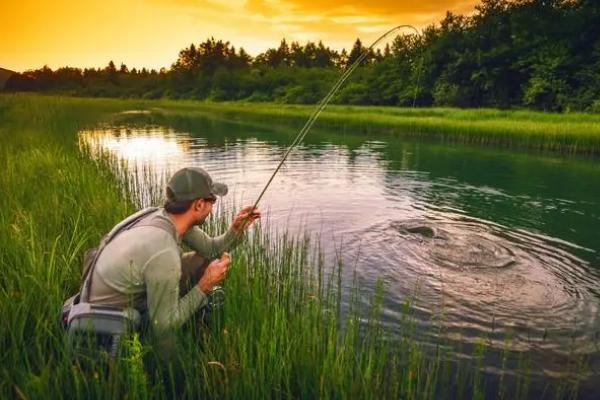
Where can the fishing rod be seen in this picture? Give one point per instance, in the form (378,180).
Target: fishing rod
(323,103)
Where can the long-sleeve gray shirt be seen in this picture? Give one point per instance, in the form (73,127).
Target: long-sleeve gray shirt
(141,267)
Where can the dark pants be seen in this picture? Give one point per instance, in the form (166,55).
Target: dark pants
(193,267)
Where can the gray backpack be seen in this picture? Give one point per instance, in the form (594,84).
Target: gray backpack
(104,325)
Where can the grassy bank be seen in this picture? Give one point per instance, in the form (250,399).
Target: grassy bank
(567,133)
(281,333)
(574,133)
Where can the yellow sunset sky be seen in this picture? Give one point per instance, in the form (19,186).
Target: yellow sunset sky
(150,33)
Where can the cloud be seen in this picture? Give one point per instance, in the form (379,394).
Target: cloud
(252,23)
(339,22)
(381,7)
(206,5)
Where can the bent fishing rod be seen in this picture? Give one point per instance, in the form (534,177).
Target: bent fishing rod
(323,103)
(320,106)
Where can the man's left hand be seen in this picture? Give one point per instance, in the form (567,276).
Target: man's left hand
(244,219)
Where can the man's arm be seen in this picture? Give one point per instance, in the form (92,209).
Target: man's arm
(161,275)
(209,247)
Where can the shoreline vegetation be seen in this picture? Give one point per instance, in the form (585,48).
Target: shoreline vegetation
(572,133)
(522,130)
(281,334)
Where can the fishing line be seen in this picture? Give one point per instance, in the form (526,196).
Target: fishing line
(324,102)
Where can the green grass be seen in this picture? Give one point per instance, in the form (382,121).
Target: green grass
(572,133)
(568,133)
(281,333)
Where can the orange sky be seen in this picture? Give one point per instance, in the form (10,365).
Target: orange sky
(150,33)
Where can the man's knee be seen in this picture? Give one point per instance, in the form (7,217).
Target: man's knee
(193,266)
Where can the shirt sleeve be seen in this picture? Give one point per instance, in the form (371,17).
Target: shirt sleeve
(161,275)
(209,247)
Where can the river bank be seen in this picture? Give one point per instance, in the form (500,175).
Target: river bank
(563,133)
(575,133)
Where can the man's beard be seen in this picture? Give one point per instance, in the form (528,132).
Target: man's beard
(200,221)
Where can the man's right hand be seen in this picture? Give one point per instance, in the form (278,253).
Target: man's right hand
(214,273)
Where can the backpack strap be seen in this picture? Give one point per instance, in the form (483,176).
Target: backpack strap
(129,222)
(160,222)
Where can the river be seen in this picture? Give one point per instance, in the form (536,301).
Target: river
(498,245)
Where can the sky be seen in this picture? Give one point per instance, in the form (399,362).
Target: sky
(150,33)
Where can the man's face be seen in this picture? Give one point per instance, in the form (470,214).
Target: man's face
(203,207)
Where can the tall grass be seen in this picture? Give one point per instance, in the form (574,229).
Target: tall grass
(572,133)
(281,332)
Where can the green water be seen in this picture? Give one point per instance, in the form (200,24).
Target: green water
(500,243)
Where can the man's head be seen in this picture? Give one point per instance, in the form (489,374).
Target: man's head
(192,191)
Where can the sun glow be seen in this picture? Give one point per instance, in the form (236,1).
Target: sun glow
(150,33)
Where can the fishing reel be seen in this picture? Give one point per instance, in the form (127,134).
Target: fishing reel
(216,298)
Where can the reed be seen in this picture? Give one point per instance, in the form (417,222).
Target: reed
(282,332)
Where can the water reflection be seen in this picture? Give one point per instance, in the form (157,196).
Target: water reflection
(154,147)
(494,245)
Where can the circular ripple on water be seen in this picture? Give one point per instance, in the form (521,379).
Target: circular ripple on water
(489,269)
(482,278)
(459,246)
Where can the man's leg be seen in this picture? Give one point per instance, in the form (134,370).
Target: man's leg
(193,266)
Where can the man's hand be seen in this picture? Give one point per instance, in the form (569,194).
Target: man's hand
(215,273)
(244,219)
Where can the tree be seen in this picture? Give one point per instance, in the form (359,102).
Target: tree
(547,87)
(110,68)
(324,56)
(342,59)
(297,56)
(387,51)
(110,72)
(244,58)
(357,50)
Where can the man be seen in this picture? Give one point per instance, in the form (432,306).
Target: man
(144,266)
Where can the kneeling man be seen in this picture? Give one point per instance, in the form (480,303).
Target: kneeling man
(144,266)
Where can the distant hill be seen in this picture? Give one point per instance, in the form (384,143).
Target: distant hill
(4,75)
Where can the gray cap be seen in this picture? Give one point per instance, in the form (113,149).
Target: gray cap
(193,183)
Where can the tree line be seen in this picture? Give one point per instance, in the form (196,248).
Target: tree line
(542,54)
